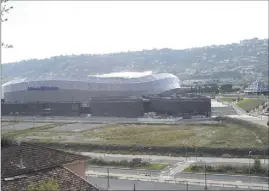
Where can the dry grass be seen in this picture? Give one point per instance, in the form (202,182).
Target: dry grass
(217,135)
(220,135)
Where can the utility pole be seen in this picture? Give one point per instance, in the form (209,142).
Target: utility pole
(134,187)
(205,179)
(186,154)
(249,153)
(196,153)
(107,178)
(264,156)
(187,186)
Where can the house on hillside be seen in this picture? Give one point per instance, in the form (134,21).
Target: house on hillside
(25,163)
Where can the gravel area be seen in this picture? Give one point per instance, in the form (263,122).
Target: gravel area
(21,126)
(77,127)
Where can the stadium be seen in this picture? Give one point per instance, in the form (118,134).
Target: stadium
(114,95)
(55,89)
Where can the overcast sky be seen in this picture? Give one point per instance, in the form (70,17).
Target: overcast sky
(40,29)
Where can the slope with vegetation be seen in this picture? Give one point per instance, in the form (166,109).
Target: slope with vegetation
(250,104)
(222,61)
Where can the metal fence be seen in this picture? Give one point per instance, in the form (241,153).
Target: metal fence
(187,183)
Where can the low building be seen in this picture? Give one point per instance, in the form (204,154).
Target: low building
(24,164)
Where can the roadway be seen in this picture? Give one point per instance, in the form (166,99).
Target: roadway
(224,177)
(175,180)
(118,184)
(59,119)
(261,120)
(171,159)
(173,172)
(181,175)
(97,120)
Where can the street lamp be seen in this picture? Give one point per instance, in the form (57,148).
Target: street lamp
(205,179)
(196,153)
(249,156)
(108,179)
(149,155)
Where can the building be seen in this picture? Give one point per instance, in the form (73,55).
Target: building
(25,163)
(42,109)
(123,107)
(257,87)
(180,105)
(56,89)
(111,95)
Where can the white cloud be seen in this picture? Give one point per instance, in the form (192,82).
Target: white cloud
(40,29)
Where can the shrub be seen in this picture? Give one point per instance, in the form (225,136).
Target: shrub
(124,163)
(196,168)
(49,185)
(257,165)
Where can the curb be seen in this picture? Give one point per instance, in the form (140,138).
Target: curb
(112,167)
(235,175)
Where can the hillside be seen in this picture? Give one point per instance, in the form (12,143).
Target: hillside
(245,60)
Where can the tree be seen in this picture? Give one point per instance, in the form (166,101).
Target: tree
(5,9)
(49,185)
(257,165)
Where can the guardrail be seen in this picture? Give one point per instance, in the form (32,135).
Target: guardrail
(184,182)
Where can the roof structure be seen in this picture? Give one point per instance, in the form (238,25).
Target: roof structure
(66,180)
(25,163)
(258,86)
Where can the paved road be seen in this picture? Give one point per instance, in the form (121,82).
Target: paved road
(174,180)
(105,120)
(183,175)
(169,159)
(116,184)
(232,178)
(261,120)
(124,171)
(71,119)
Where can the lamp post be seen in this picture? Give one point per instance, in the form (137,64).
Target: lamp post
(205,179)
(264,156)
(249,156)
(186,152)
(149,154)
(107,178)
(196,153)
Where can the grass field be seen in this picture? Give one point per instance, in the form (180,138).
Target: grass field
(228,169)
(250,104)
(219,135)
(126,164)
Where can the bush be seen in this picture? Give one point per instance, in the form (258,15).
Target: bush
(196,168)
(124,163)
(49,185)
(257,165)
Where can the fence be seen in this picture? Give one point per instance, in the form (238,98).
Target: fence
(183,182)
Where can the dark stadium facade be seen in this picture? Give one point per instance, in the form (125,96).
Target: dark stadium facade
(117,96)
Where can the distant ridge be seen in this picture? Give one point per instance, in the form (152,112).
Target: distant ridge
(236,60)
